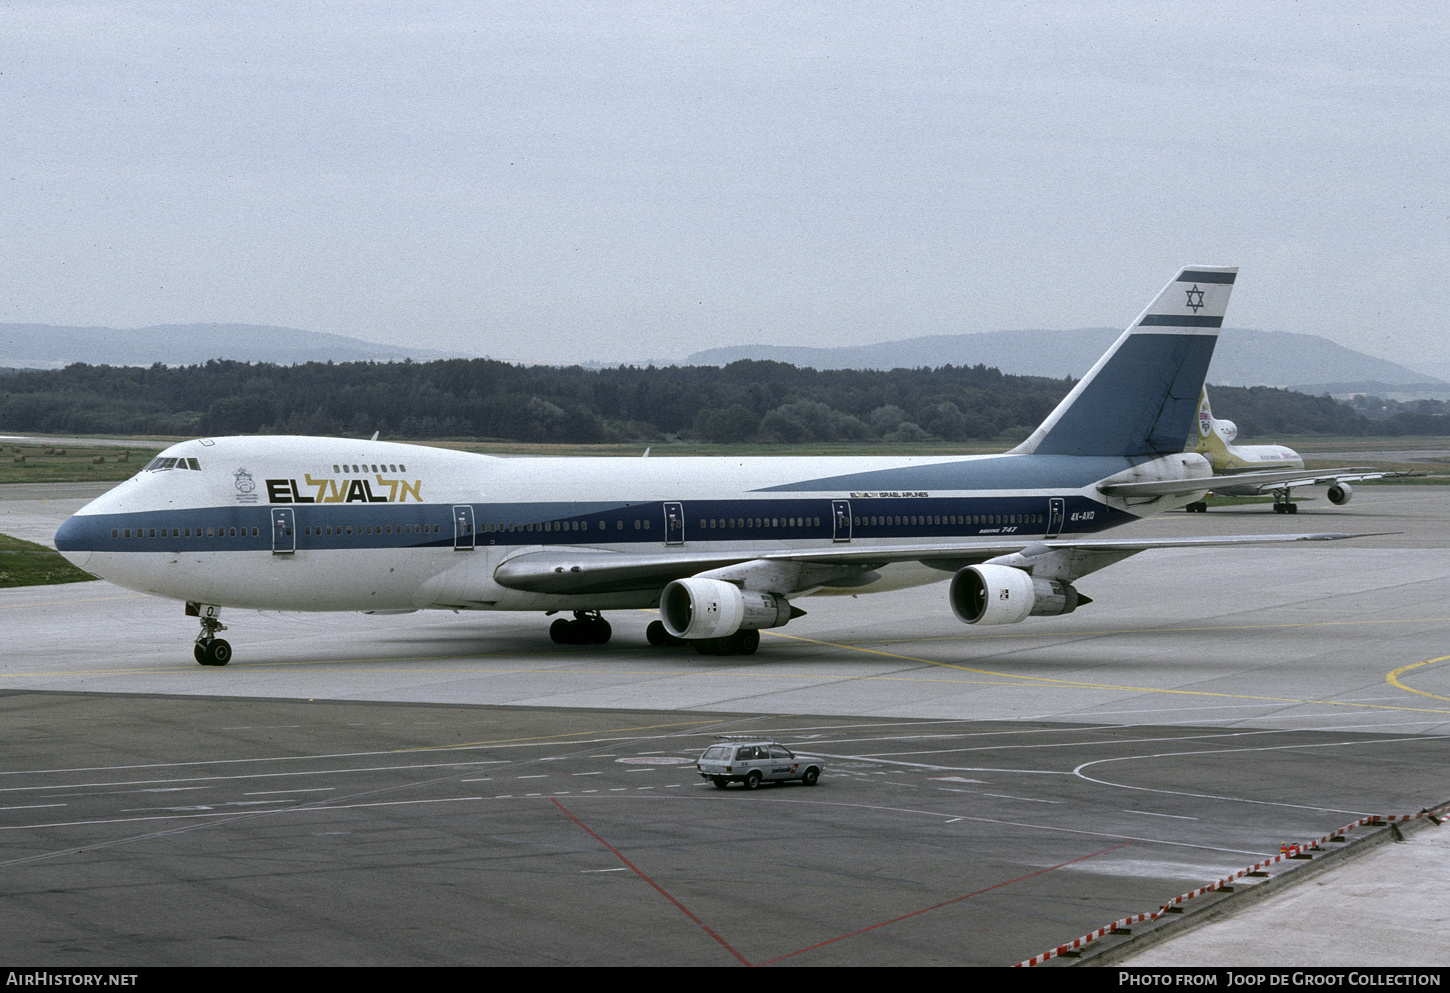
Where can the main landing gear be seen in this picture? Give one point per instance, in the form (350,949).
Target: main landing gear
(587,628)
(209,649)
(739,643)
(1282,503)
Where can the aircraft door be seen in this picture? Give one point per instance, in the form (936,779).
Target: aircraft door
(284,531)
(463,528)
(840,520)
(1055,513)
(674,524)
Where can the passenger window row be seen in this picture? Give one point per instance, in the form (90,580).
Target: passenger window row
(760,522)
(181,532)
(523,526)
(972,520)
(354,470)
(320,530)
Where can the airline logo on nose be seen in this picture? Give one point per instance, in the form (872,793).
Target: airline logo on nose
(350,490)
(246,486)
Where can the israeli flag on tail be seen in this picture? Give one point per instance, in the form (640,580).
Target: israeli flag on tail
(1141,398)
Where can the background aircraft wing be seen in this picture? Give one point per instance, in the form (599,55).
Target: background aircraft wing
(1329,478)
(584,571)
(1260,482)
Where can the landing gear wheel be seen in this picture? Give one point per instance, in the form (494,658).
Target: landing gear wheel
(209,649)
(739,643)
(214,652)
(585,629)
(752,779)
(1198,507)
(658,636)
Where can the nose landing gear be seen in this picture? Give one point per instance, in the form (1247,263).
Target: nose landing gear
(209,649)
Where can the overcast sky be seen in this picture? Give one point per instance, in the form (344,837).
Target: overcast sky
(616,181)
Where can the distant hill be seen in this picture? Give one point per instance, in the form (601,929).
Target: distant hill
(49,346)
(1243,357)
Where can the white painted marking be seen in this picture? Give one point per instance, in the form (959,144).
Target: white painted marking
(1149,813)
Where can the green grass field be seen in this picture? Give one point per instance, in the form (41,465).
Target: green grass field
(24,563)
(22,462)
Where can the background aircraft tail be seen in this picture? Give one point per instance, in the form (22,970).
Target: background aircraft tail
(1141,398)
(1214,435)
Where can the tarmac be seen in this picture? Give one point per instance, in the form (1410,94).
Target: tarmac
(1239,697)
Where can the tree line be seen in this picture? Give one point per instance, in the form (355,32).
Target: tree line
(744,402)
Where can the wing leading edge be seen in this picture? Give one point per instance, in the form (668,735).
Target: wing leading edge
(581,571)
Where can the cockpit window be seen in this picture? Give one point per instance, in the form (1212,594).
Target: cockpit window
(158,464)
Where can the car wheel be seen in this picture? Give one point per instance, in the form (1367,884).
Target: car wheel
(812,775)
(720,782)
(752,779)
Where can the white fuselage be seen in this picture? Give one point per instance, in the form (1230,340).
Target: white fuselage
(294,523)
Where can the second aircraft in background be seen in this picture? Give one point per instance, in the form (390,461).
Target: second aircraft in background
(1259,469)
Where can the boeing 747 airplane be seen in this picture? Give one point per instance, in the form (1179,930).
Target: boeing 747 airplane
(724,547)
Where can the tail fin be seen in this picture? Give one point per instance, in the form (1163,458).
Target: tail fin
(1213,436)
(1141,397)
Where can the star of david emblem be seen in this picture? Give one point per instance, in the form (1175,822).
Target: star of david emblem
(1193,303)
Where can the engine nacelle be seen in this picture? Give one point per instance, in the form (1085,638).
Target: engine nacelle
(1000,594)
(1227,430)
(1340,493)
(713,608)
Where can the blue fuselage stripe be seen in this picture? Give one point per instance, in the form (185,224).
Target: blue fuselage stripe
(319,526)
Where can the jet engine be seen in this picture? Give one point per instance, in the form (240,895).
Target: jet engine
(1000,594)
(713,608)
(1340,493)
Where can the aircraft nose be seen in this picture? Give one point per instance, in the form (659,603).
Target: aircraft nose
(71,541)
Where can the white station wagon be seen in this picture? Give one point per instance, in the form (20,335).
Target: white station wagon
(752,761)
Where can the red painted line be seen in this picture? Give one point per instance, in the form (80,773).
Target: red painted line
(946,903)
(658,888)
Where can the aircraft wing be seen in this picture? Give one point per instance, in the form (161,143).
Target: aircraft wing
(584,570)
(1323,478)
(1247,482)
